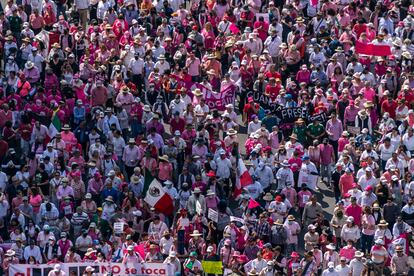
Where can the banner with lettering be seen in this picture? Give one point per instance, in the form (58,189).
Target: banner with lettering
(213,99)
(372,49)
(145,269)
(286,115)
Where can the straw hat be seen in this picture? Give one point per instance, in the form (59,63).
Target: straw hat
(358,254)
(291,218)
(331,246)
(231,131)
(10,252)
(164,158)
(278,222)
(29,65)
(368,104)
(383,223)
(300,20)
(195,234)
(89,251)
(197,92)
(66,127)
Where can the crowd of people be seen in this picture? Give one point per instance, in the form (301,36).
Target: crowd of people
(95,100)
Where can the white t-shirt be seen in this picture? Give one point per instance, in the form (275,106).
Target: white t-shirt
(342,271)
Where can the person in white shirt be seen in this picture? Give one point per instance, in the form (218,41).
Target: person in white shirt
(356,265)
(202,108)
(255,189)
(166,243)
(408,139)
(162,65)
(343,269)
(32,250)
(51,152)
(37,59)
(3,181)
(259,263)
(254,125)
(174,261)
(103,6)
(330,271)
(284,175)
(254,44)
(272,43)
(177,105)
(265,174)
(367,180)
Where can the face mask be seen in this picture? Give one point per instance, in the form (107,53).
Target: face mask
(290,222)
(32,262)
(64,239)
(51,242)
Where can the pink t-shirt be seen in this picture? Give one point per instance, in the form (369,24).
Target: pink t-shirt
(193,66)
(369,94)
(303,198)
(348,253)
(368,224)
(342,142)
(35,201)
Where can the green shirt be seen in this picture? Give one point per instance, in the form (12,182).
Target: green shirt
(300,131)
(316,130)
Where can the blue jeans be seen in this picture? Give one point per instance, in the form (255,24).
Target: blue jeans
(366,242)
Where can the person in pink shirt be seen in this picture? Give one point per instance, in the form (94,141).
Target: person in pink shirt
(290,194)
(343,141)
(165,168)
(346,181)
(292,233)
(303,197)
(125,99)
(348,251)
(355,211)
(368,230)
(303,75)
(68,137)
(369,92)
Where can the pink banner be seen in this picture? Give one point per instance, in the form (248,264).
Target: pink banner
(372,49)
(214,100)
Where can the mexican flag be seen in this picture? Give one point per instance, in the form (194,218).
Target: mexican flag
(148,178)
(55,125)
(156,197)
(243,178)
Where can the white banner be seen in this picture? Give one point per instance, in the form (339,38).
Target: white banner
(145,269)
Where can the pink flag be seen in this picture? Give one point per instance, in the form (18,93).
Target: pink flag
(253,204)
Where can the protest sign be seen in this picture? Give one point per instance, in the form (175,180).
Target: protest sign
(145,269)
(212,267)
(286,115)
(372,49)
(213,99)
(213,215)
(118,227)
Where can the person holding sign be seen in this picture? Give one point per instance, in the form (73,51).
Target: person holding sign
(192,266)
